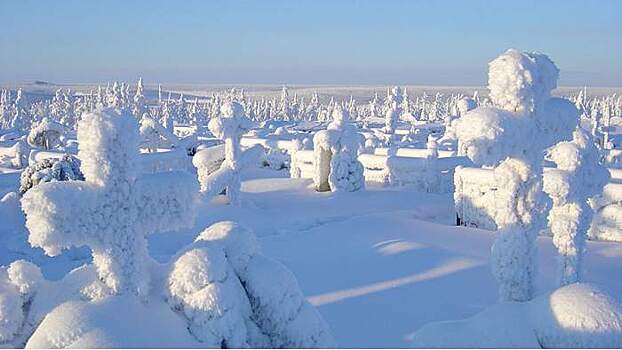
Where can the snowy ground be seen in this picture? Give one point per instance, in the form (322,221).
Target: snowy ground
(378,264)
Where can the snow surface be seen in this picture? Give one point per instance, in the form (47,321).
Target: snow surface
(576,316)
(378,265)
(382,262)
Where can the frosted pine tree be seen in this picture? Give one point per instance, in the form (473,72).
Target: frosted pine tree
(520,87)
(394,109)
(578,177)
(117,208)
(139,107)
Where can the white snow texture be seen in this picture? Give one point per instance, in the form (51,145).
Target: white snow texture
(336,149)
(117,210)
(234,296)
(520,87)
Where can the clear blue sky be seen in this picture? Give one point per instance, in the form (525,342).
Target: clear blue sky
(303,42)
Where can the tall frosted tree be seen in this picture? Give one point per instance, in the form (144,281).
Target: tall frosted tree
(577,177)
(520,85)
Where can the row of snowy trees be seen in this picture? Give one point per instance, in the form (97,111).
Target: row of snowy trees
(66,107)
(601,112)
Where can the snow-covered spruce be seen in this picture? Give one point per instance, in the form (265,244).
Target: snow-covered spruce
(66,168)
(520,87)
(578,177)
(139,105)
(117,209)
(233,296)
(393,109)
(230,127)
(336,149)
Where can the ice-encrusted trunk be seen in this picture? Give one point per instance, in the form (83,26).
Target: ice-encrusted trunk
(322,159)
(519,201)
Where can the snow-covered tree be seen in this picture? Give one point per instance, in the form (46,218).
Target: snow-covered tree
(21,117)
(115,97)
(374,106)
(233,296)
(578,177)
(520,87)
(66,168)
(139,107)
(393,109)
(154,136)
(47,134)
(337,167)
(230,127)
(116,210)
(167,118)
(284,111)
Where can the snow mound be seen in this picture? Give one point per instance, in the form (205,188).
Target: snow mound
(114,322)
(579,315)
(499,326)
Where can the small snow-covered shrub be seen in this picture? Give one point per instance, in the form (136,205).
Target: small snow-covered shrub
(47,134)
(66,168)
(276,159)
(234,296)
(15,156)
